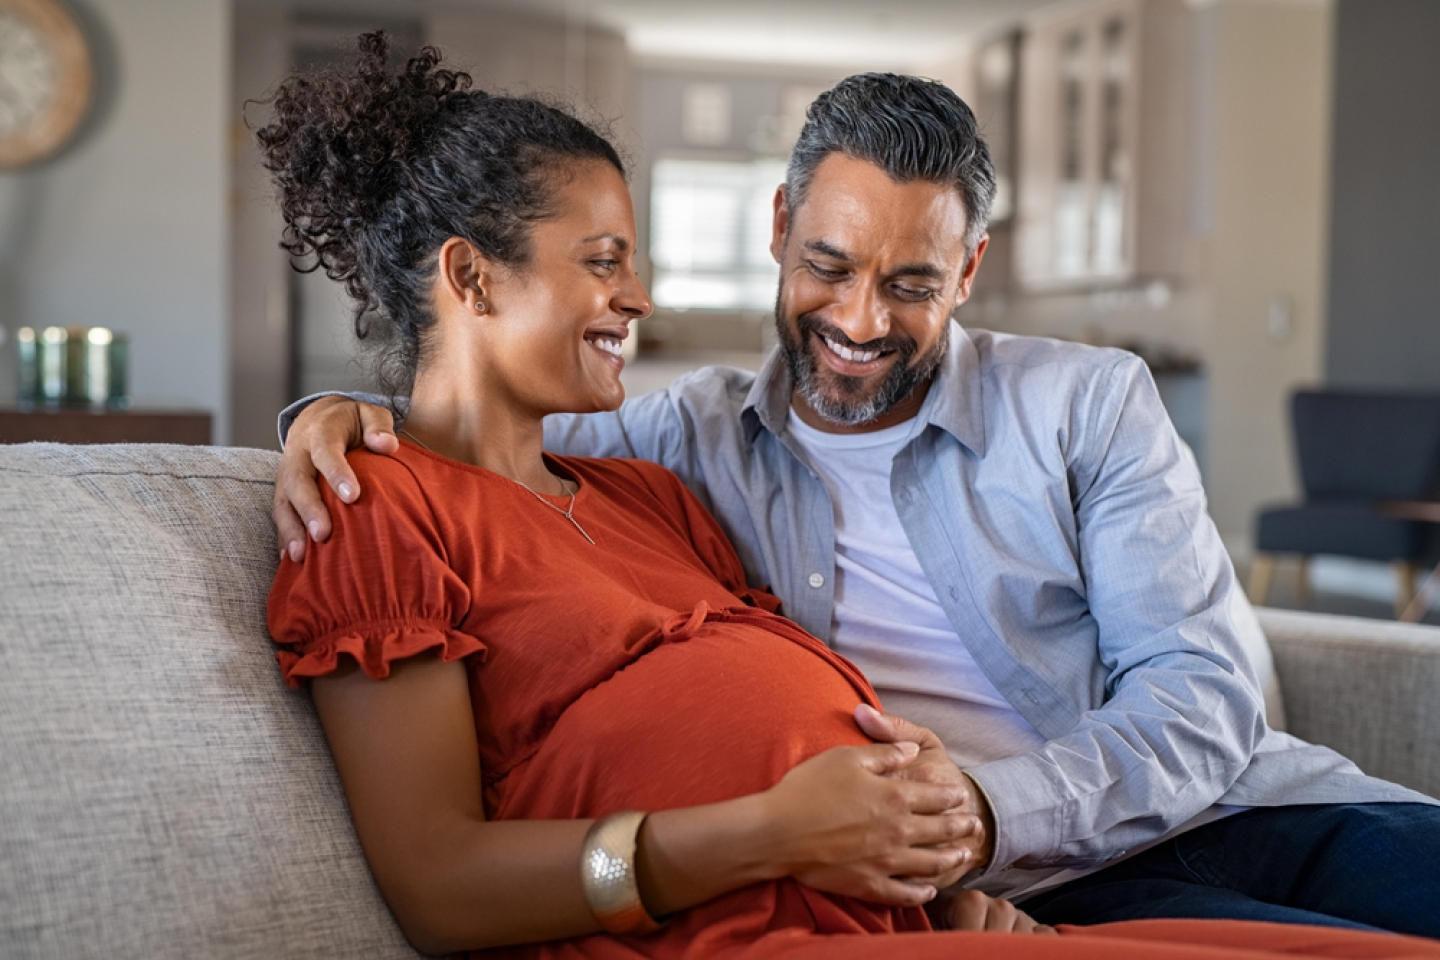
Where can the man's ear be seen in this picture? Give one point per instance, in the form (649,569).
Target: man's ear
(463,274)
(780,226)
(967,276)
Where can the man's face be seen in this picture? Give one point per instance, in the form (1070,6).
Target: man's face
(870,270)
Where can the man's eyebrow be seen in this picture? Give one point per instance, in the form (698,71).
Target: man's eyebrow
(827,250)
(618,240)
(927,270)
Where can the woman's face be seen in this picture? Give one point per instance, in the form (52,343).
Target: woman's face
(558,322)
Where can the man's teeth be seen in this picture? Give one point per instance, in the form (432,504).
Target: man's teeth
(607,344)
(845,353)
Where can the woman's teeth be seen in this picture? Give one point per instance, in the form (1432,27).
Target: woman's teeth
(845,353)
(609,345)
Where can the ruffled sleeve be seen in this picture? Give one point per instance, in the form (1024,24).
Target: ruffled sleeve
(379,590)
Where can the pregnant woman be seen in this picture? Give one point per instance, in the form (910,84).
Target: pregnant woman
(558,711)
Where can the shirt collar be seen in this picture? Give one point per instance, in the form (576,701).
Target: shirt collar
(955,403)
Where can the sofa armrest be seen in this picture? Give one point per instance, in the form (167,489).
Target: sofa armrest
(1369,689)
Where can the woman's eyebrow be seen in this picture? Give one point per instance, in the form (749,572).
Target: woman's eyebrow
(618,240)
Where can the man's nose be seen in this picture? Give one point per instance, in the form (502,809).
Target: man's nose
(861,314)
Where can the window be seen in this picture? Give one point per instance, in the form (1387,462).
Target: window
(710,234)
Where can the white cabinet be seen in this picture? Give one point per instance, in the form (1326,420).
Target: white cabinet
(1103,153)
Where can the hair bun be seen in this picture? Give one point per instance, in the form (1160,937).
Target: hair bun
(342,140)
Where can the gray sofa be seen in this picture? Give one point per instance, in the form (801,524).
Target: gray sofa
(163,794)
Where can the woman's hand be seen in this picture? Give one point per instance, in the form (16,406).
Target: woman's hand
(934,765)
(842,822)
(315,446)
(973,910)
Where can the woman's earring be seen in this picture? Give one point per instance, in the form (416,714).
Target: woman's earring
(480,307)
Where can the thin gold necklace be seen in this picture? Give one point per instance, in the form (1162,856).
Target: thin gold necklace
(568,513)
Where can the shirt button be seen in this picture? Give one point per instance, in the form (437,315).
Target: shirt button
(817,580)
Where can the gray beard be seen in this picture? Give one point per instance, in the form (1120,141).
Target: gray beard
(845,403)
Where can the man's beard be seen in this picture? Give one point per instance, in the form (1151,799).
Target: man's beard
(841,400)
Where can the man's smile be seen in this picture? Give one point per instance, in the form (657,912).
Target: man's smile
(851,354)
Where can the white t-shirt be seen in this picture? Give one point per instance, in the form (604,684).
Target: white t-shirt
(888,621)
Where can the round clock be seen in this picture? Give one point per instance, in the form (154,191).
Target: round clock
(45,80)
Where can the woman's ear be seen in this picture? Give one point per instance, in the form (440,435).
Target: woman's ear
(463,276)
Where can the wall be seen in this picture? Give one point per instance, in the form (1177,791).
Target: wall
(1384,320)
(129,228)
(260,280)
(1270,66)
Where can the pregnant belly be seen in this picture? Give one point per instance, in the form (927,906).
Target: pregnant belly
(723,712)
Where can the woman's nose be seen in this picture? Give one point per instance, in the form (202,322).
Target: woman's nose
(632,299)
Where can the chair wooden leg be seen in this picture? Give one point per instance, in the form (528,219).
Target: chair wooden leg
(1405,572)
(1262,570)
(1302,585)
(1424,597)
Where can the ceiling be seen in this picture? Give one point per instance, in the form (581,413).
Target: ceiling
(871,34)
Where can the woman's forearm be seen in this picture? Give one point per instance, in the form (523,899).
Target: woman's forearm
(483,884)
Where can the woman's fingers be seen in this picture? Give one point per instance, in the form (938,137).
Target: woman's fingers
(883,758)
(846,824)
(888,728)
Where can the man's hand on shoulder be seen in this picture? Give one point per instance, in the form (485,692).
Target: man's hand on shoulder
(934,765)
(315,447)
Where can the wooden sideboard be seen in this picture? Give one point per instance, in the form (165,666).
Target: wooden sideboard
(85,425)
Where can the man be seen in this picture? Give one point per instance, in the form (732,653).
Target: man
(1006,536)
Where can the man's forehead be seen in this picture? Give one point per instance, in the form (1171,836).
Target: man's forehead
(852,206)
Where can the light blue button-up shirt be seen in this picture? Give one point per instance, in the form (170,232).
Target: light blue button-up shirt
(1064,530)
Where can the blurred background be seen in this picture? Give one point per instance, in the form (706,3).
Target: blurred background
(1244,192)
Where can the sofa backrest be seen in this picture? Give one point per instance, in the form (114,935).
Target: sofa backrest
(162,792)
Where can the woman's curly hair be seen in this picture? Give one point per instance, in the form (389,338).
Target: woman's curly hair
(376,169)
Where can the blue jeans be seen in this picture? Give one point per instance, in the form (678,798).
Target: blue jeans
(1361,866)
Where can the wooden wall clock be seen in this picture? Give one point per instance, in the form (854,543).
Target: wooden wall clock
(46,77)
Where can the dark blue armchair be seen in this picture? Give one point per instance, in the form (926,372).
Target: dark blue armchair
(1359,454)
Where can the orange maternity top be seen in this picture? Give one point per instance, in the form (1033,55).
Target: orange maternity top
(638,672)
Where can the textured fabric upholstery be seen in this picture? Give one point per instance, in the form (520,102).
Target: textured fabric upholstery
(1368,689)
(162,793)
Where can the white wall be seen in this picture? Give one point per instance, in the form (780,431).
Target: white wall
(1269,236)
(129,229)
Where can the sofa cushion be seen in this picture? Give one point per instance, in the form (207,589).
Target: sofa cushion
(162,793)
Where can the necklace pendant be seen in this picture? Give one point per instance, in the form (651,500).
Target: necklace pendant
(580,528)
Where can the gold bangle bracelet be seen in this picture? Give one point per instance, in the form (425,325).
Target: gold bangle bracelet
(607,873)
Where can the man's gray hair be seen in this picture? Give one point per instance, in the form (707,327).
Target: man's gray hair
(913,129)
